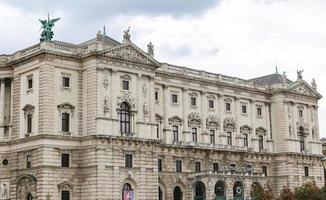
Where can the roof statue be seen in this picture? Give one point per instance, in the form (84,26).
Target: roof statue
(150,49)
(47,25)
(276,70)
(126,35)
(299,72)
(104,31)
(314,84)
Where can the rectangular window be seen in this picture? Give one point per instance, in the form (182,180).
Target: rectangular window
(159,165)
(300,113)
(158,131)
(65,195)
(212,136)
(66,82)
(28,161)
(306,171)
(197,166)
(227,106)
(30,82)
(244,109)
(215,167)
(65,122)
(245,140)
(65,160)
(194,134)
(261,142)
(156,95)
(174,98)
(125,85)
(229,138)
(210,103)
(29,123)
(259,113)
(128,160)
(175,132)
(193,101)
(265,170)
(178,166)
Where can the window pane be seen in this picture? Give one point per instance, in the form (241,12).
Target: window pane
(65,160)
(128,160)
(65,195)
(65,122)
(29,123)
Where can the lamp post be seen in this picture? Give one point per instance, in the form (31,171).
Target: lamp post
(323,161)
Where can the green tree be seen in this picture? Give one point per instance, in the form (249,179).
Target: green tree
(287,194)
(258,193)
(309,191)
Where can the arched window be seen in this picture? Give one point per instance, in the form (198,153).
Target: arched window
(301,138)
(127,192)
(29,196)
(125,118)
(177,193)
(200,191)
(238,193)
(220,190)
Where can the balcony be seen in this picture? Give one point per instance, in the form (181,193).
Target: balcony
(216,146)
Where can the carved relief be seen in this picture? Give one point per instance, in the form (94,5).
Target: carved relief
(66,107)
(194,119)
(125,97)
(106,82)
(128,53)
(193,94)
(229,124)
(65,186)
(212,122)
(260,131)
(26,184)
(304,125)
(125,77)
(245,129)
(106,105)
(28,110)
(175,120)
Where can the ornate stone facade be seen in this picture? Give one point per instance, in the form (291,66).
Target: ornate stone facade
(104,119)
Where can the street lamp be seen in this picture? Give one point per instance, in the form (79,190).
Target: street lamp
(323,161)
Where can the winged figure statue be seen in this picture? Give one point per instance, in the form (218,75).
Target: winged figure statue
(47,25)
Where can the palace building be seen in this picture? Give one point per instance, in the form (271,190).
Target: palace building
(105,120)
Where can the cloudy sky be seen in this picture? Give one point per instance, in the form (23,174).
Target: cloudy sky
(243,38)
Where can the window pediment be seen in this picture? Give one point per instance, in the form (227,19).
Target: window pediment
(261,131)
(125,77)
(65,186)
(28,107)
(175,120)
(66,106)
(212,121)
(245,129)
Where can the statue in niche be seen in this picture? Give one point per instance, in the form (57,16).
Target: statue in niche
(106,105)
(145,90)
(146,110)
(106,83)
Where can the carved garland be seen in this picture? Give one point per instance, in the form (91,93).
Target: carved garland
(194,119)
(229,124)
(212,122)
(125,97)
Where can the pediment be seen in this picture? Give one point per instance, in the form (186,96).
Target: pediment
(131,53)
(303,88)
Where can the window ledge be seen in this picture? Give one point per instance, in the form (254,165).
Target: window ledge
(68,89)
(259,116)
(65,133)
(29,91)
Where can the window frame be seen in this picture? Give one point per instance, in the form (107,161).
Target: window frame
(243,109)
(193,101)
(197,166)
(228,106)
(28,161)
(216,167)
(306,171)
(174,98)
(129,160)
(229,138)
(67,192)
(178,165)
(194,133)
(212,136)
(210,104)
(125,85)
(159,165)
(65,125)
(125,119)
(65,160)
(260,142)
(245,139)
(175,133)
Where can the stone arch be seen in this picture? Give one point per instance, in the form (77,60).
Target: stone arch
(125,190)
(162,186)
(238,191)
(26,186)
(199,191)
(220,190)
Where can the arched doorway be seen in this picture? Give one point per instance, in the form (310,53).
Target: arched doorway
(200,191)
(127,192)
(255,190)
(220,191)
(177,193)
(29,196)
(238,193)
(160,193)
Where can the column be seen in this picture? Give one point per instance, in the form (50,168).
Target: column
(253,125)
(237,116)
(185,108)
(2,100)
(166,103)
(221,111)
(203,111)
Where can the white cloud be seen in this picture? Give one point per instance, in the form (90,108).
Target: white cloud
(244,38)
